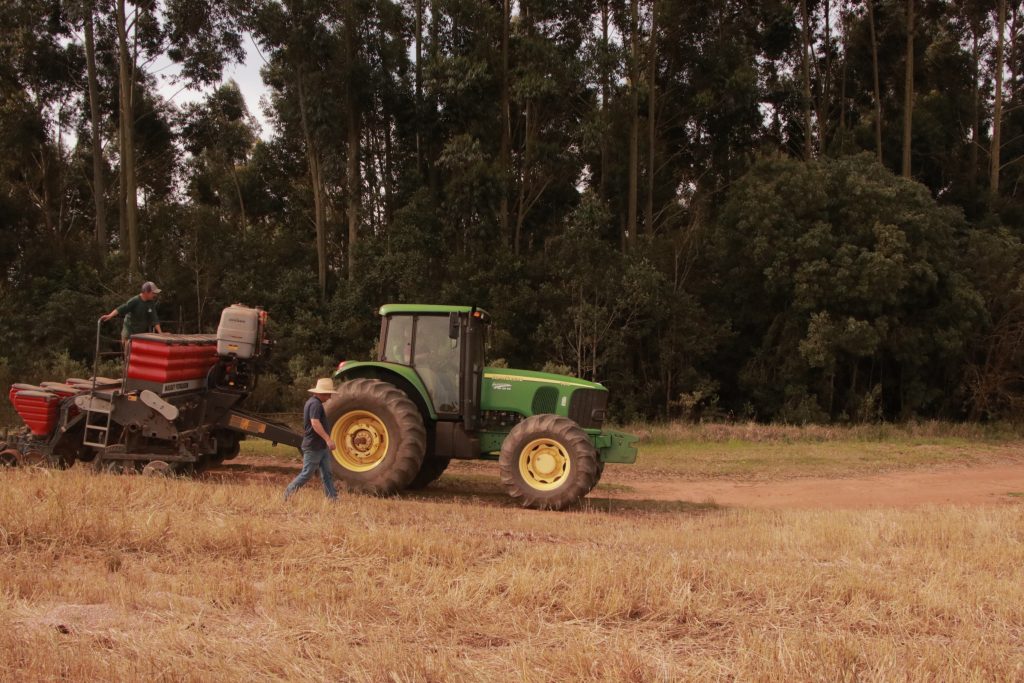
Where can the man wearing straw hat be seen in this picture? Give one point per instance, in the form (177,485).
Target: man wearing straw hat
(316,442)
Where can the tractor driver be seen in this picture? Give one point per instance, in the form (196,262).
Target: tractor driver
(437,362)
(139,313)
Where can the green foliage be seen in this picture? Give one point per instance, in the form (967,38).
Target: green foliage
(597,297)
(848,283)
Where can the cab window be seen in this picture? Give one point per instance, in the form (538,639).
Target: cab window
(436,359)
(398,348)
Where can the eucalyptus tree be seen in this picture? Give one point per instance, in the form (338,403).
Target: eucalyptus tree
(549,100)
(341,83)
(306,55)
(40,67)
(83,12)
(219,134)
(202,35)
(908,89)
(138,25)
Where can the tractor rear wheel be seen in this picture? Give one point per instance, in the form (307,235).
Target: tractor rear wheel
(430,471)
(548,462)
(378,435)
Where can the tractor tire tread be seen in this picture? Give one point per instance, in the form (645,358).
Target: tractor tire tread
(412,435)
(582,455)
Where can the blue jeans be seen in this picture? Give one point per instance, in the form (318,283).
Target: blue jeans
(311,461)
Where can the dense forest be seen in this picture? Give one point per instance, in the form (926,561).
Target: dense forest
(798,210)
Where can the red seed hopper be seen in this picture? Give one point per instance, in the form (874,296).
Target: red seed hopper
(158,360)
(37,407)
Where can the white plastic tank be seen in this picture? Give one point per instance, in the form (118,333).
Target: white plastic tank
(239,331)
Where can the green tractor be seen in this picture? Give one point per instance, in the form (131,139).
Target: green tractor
(398,421)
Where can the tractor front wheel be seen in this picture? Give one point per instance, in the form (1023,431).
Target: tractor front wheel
(548,462)
(378,435)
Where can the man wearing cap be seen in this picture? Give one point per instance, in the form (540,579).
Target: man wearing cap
(139,313)
(316,442)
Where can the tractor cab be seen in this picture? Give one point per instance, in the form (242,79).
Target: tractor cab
(444,347)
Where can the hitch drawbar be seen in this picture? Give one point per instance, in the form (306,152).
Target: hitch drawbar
(250,425)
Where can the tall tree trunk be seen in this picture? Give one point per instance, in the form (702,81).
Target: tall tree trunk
(605,91)
(432,175)
(874,74)
(238,194)
(997,114)
(388,185)
(99,190)
(529,185)
(975,108)
(1010,59)
(652,59)
(44,200)
(524,185)
(806,59)
(122,192)
(418,104)
(531,188)
(316,181)
(634,121)
(354,134)
(373,178)
(506,134)
(825,82)
(908,91)
(126,77)
(845,27)
(61,175)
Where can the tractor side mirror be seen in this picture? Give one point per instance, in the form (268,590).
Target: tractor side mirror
(453,325)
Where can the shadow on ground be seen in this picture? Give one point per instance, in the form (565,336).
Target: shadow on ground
(461,488)
(486,490)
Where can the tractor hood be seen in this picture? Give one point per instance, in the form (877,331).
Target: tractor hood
(494,376)
(526,393)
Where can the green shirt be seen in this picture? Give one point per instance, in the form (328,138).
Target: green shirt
(139,316)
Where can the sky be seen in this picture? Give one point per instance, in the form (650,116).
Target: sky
(246,75)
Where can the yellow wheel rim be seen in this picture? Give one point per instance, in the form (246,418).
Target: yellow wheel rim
(360,440)
(544,464)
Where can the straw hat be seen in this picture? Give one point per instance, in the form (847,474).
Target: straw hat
(324,385)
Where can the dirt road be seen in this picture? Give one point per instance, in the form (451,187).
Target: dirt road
(974,485)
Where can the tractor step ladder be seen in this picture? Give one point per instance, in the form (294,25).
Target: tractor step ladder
(97,422)
(99,408)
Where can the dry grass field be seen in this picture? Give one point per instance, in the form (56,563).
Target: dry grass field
(106,577)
